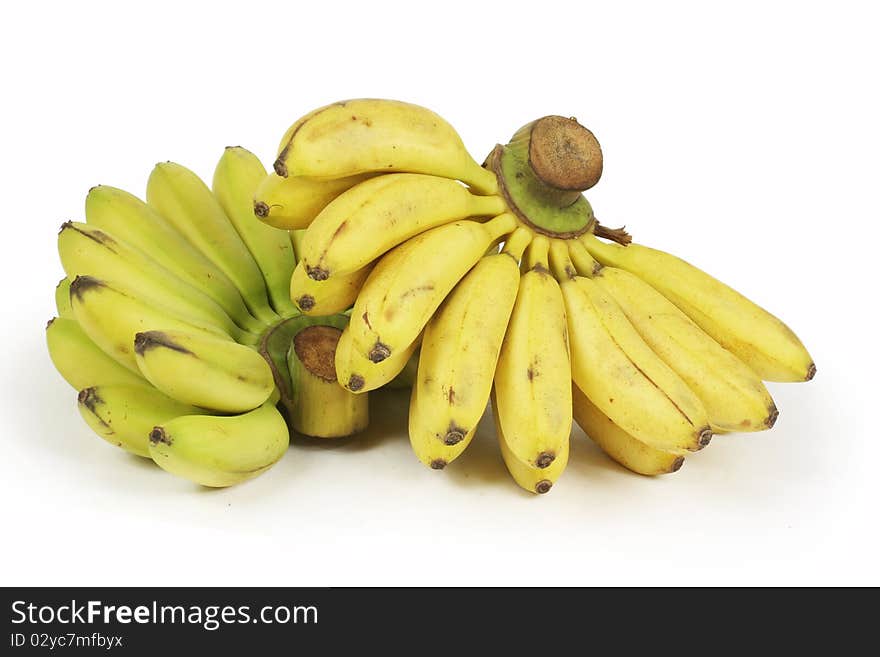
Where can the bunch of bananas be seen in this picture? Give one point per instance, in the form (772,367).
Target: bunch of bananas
(497,280)
(175,326)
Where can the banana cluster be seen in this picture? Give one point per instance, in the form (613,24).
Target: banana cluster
(500,283)
(176,327)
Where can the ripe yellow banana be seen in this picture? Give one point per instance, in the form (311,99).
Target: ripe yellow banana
(364,135)
(358,373)
(293,203)
(530,478)
(124,415)
(236,178)
(320,407)
(326,297)
(459,353)
(219,451)
(134,222)
(533,377)
(183,199)
(80,361)
(112,318)
(618,444)
(733,395)
(89,251)
(406,286)
(212,373)
(742,327)
(377,215)
(619,372)
(62,299)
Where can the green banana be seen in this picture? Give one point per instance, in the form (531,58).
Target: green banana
(204,371)
(236,178)
(183,199)
(219,451)
(124,415)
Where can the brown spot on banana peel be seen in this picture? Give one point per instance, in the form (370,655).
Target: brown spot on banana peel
(89,398)
(305,303)
(82,284)
(379,352)
(811,372)
(705,437)
(355,382)
(545,459)
(95,235)
(261,209)
(454,434)
(438,464)
(317,273)
(158,435)
(543,486)
(147,340)
(676,464)
(771,417)
(450,396)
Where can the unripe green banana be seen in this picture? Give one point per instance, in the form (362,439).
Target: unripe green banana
(62,299)
(293,203)
(320,407)
(219,451)
(236,178)
(89,251)
(618,444)
(124,415)
(133,221)
(364,135)
(326,297)
(80,361)
(759,339)
(208,372)
(183,199)
(111,318)
(377,215)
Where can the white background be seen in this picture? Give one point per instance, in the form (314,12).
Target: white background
(744,139)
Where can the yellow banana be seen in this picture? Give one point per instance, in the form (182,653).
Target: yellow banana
(89,251)
(208,372)
(459,352)
(112,318)
(358,373)
(236,178)
(124,415)
(530,478)
(293,203)
(80,361)
(742,327)
(377,215)
(219,451)
(619,372)
(62,299)
(134,222)
(406,286)
(533,377)
(185,201)
(618,444)
(326,297)
(733,395)
(364,135)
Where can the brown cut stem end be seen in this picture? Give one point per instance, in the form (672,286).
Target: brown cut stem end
(618,235)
